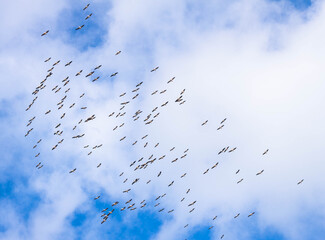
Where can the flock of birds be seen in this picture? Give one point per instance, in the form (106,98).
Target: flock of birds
(139,115)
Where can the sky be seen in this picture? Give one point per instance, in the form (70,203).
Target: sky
(256,63)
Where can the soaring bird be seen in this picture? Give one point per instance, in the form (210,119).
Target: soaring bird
(183,175)
(99,165)
(171,80)
(89,74)
(126,191)
(159,174)
(78,73)
(68,64)
(73,170)
(170,211)
(97,197)
(192,203)
(210,227)
(44,33)
(114,74)
(134,90)
(220,127)
(80,27)
(204,123)
(215,218)
(86,6)
(231,150)
(240,180)
(188,190)
(155,69)
(300,181)
(259,172)
(154,92)
(48,59)
(237,215)
(265,152)
(215,165)
(186,226)
(88,16)
(171,184)
(206,171)
(118,52)
(222,236)
(191,210)
(251,214)
(223,121)
(237,171)
(182,199)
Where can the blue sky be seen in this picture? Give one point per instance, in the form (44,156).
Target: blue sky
(256,63)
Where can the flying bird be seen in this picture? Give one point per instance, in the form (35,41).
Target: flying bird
(73,170)
(118,52)
(44,33)
(265,152)
(300,181)
(88,16)
(80,27)
(86,6)
(155,69)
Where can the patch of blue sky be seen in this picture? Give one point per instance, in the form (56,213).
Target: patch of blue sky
(92,35)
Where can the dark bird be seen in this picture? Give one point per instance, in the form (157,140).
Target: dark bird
(155,69)
(265,152)
(68,64)
(223,121)
(114,74)
(86,6)
(220,127)
(99,165)
(97,197)
(73,170)
(251,214)
(300,181)
(48,59)
(188,190)
(153,93)
(204,123)
(88,16)
(118,52)
(259,172)
(126,191)
(191,210)
(237,215)
(78,73)
(237,171)
(44,33)
(206,171)
(240,180)
(89,74)
(159,174)
(183,175)
(171,80)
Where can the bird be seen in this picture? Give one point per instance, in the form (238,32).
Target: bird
(265,152)
(172,79)
(204,123)
(171,184)
(38,164)
(80,27)
(114,74)
(259,172)
(170,211)
(237,215)
(237,171)
(222,236)
(89,74)
(48,59)
(240,180)
(182,199)
(215,218)
(215,165)
(231,150)
(44,33)
(159,174)
(188,190)
(126,191)
(191,210)
(210,227)
(191,203)
(300,181)
(99,165)
(186,226)
(128,201)
(220,127)
(161,210)
(183,175)
(57,62)
(48,112)
(251,214)
(78,73)
(88,16)
(163,91)
(122,138)
(118,52)
(97,197)
(73,170)
(206,171)
(114,204)
(155,69)
(68,64)
(172,149)
(153,93)
(86,6)
(223,121)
